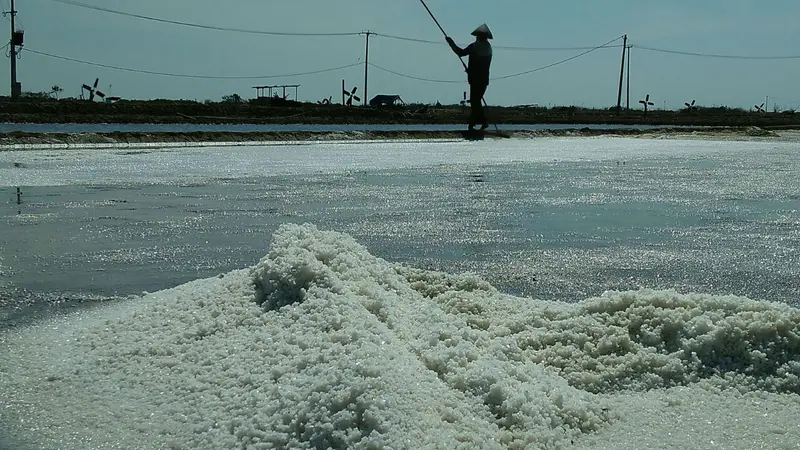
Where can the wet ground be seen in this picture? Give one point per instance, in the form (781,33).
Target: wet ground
(558,219)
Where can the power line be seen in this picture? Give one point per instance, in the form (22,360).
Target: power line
(6,10)
(274,33)
(408,39)
(197,25)
(503,47)
(178,75)
(713,55)
(413,77)
(555,49)
(559,62)
(505,77)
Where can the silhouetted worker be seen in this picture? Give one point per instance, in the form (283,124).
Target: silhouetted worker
(480,60)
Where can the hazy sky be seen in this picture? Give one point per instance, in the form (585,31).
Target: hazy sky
(736,27)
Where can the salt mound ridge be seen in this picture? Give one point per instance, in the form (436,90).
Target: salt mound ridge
(322,344)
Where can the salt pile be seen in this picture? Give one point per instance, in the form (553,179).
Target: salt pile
(322,344)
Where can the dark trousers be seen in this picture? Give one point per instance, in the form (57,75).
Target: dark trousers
(477,116)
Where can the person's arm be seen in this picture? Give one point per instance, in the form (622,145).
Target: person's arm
(458,50)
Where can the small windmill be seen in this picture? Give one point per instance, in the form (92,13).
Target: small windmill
(92,90)
(349,96)
(646,102)
(325,101)
(690,106)
(759,108)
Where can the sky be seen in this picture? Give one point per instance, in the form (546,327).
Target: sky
(730,27)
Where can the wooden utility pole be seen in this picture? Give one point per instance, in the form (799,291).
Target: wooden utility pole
(622,72)
(628,78)
(13,54)
(366,65)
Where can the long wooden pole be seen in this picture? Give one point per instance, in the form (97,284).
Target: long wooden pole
(461,60)
(13,56)
(622,72)
(628,82)
(366,68)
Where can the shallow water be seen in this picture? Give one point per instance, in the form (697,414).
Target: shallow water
(379,354)
(558,219)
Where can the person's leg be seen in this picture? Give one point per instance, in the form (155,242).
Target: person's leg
(476,101)
(476,104)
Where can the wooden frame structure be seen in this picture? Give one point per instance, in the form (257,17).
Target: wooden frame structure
(266,91)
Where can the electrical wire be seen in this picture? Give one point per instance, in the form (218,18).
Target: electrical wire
(273,33)
(713,55)
(6,10)
(554,49)
(559,62)
(197,25)
(178,75)
(505,77)
(408,39)
(19,25)
(429,80)
(503,47)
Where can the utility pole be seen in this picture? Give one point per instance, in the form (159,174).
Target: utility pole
(366,65)
(15,91)
(628,78)
(622,71)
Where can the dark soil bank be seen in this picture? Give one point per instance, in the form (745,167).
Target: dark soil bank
(168,111)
